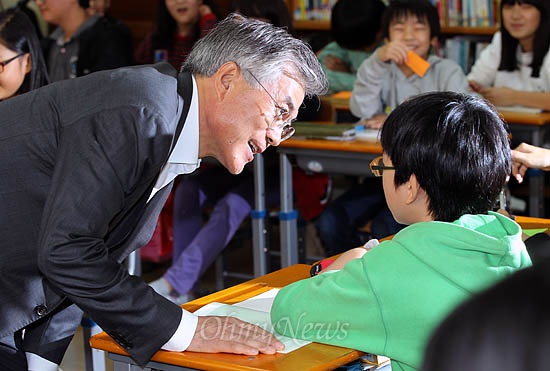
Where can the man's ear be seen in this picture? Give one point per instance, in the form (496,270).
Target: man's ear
(225,77)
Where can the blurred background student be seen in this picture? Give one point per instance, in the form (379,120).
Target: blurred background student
(515,68)
(22,66)
(505,328)
(197,243)
(178,26)
(355,28)
(82,43)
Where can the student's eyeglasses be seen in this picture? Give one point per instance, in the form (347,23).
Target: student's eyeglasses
(285,126)
(377,166)
(7,61)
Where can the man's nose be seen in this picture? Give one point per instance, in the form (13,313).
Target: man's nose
(273,136)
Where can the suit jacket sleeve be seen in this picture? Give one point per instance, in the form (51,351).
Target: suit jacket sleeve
(100,167)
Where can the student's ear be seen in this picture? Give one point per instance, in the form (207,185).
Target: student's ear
(225,78)
(434,43)
(414,191)
(28,63)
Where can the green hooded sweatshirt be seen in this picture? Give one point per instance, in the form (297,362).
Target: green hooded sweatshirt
(389,301)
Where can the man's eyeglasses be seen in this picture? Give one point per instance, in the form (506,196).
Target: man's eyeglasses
(286,130)
(7,61)
(377,166)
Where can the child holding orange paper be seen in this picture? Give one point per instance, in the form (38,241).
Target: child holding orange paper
(392,74)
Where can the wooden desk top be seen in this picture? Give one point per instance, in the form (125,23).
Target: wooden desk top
(356,145)
(313,356)
(340,101)
(529,222)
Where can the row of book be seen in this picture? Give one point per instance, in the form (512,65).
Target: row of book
(313,10)
(452,13)
(463,50)
(468,13)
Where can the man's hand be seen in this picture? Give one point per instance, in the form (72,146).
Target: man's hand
(231,335)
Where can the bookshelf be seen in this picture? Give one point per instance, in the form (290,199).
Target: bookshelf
(467,25)
(303,22)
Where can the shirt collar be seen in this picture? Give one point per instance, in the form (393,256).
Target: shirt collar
(186,149)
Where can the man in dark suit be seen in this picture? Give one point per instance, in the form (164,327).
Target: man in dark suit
(86,165)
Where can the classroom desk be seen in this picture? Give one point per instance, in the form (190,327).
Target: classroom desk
(314,356)
(533,124)
(336,157)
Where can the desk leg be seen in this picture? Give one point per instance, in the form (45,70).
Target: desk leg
(258,215)
(287,216)
(536,179)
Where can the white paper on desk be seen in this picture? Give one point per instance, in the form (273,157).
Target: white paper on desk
(521,109)
(255,310)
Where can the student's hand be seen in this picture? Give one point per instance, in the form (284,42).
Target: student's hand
(475,86)
(334,63)
(375,122)
(526,156)
(204,10)
(393,51)
(231,335)
(346,257)
(499,96)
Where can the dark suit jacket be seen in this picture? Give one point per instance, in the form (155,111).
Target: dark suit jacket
(78,160)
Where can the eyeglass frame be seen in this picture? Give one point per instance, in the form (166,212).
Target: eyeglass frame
(286,129)
(3,64)
(377,169)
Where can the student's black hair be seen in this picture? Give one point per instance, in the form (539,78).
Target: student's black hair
(422,9)
(457,147)
(541,42)
(355,24)
(18,34)
(505,328)
(166,26)
(274,11)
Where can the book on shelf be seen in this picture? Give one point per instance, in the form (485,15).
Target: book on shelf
(468,13)
(319,10)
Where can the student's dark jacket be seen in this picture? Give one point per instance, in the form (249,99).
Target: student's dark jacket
(107,44)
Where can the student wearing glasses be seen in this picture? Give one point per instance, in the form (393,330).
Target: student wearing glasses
(87,165)
(22,66)
(445,159)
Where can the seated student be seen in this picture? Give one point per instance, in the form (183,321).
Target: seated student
(446,157)
(383,82)
(355,28)
(22,64)
(515,68)
(505,328)
(175,32)
(82,44)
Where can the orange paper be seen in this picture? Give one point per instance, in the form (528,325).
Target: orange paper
(416,63)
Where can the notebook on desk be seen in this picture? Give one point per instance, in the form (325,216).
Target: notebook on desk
(255,310)
(325,131)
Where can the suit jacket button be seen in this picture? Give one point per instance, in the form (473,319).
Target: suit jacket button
(40,310)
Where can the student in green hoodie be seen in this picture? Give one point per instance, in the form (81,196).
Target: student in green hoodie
(446,157)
